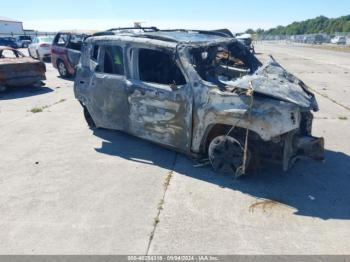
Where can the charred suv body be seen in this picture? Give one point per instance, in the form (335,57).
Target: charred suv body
(197,92)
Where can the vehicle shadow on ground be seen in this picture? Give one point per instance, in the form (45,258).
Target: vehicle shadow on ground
(70,79)
(22,92)
(314,189)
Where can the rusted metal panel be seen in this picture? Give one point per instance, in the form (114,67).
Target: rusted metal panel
(20,70)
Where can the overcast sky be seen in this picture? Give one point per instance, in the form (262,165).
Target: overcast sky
(196,14)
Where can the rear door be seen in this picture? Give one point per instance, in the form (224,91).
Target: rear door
(59,47)
(108,100)
(74,49)
(160,98)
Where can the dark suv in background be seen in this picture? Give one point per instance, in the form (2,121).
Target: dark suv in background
(8,41)
(65,52)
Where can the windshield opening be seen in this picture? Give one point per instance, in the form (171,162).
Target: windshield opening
(221,63)
(47,39)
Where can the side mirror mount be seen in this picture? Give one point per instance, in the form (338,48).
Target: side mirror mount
(173,86)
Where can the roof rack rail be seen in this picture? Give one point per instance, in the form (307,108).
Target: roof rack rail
(103,33)
(220,32)
(158,37)
(113,30)
(145,29)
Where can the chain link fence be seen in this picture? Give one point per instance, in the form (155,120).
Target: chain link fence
(32,34)
(321,38)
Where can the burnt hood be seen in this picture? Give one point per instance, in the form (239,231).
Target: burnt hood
(273,80)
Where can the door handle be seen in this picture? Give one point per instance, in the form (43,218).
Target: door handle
(82,82)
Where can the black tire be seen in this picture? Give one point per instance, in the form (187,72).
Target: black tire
(37,55)
(62,69)
(30,54)
(88,118)
(226,154)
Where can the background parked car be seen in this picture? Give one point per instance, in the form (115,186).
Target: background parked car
(318,39)
(23,41)
(65,52)
(314,39)
(17,70)
(339,40)
(8,41)
(40,48)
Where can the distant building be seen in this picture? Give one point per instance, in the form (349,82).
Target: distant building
(10,27)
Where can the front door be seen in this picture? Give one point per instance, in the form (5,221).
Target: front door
(160,99)
(73,49)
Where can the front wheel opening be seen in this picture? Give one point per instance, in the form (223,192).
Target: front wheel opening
(226,155)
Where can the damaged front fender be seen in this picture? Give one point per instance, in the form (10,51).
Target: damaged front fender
(269,118)
(274,81)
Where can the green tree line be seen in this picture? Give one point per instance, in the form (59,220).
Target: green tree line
(319,24)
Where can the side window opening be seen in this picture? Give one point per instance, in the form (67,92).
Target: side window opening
(94,52)
(8,54)
(159,67)
(75,42)
(113,60)
(62,39)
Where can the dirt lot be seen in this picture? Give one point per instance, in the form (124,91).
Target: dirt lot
(67,189)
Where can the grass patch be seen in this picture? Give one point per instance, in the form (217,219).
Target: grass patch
(160,204)
(342,117)
(156,221)
(36,109)
(60,101)
(167,179)
(39,109)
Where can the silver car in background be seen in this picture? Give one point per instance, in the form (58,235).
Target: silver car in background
(339,40)
(40,48)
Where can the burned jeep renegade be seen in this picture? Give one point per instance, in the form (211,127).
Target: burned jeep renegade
(200,93)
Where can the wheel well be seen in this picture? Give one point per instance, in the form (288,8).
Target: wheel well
(87,115)
(219,130)
(68,74)
(59,60)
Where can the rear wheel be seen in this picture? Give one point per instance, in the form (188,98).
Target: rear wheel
(226,155)
(62,69)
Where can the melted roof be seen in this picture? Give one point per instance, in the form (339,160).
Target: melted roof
(186,36)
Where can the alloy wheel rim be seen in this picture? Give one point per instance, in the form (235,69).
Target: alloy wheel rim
(62,68)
